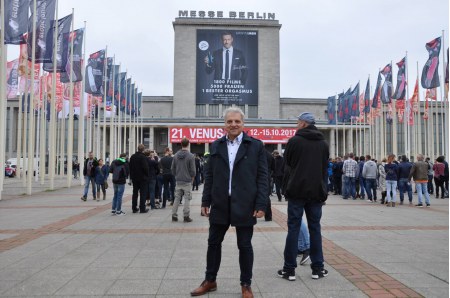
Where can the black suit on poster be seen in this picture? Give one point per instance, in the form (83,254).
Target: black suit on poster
(238,66)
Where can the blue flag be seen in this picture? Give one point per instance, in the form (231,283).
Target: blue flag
(331,109)
(386,89)
(376,95)
(430,72)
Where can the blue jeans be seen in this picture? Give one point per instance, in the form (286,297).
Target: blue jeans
(362,183)
(349,185)
(118,194)
(391,185)
(214,254)
(405,185)
(430,184)
(303,237)
(151,192)
(89,180)
(371,188)
(169,191)
(313,210)
(422,188)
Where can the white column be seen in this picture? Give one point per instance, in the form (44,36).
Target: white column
(332,143)
(10,131)
(151,137)
(349,145)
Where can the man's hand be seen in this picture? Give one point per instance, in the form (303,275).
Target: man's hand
(205,211)
(258,214)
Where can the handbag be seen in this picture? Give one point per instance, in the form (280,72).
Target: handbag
(106,185)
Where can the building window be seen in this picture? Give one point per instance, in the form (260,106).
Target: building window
(252,112)
(163,138)
(200,111)
(214,111)
(242,107)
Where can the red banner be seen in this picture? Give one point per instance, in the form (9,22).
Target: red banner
(210,134)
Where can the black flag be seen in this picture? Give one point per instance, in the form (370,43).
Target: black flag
(45,14)
(16,21)
(376,95)
(94,73)
(430,75)
(77,74)
(386,89)
(61,45)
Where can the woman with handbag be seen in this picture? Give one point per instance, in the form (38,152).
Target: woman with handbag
(101,175)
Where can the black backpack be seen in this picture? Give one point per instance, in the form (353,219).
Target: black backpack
(118,172)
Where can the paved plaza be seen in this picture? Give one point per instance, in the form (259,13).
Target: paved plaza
(53,244)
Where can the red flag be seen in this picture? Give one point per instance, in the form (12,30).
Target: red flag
(400,107)
(414,100)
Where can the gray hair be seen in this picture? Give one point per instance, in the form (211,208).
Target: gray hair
(233,110)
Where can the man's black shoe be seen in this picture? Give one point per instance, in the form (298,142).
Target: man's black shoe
(286,275)
(319,273)
(305,257)
(144,211)
(135,210)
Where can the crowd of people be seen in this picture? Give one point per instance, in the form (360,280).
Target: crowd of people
(153,178)
(355,177)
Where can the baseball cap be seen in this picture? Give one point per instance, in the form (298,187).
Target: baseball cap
(307,117)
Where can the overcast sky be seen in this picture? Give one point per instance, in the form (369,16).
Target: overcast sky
(325,45)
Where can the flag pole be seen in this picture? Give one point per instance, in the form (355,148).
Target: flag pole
(119,123)
(336,131)
(3,104)
(82,118)
(38,131)
(25,139)
(19,138)
(443,96)
(70,133)
(405,124)
(31,131)
(105,74)
(125,115)
(112,152)
(42,154)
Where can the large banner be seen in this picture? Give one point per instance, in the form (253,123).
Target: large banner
(227,67)
(269,135)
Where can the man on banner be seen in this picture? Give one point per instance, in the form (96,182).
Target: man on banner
(227,63)
(386,89)
(94,73)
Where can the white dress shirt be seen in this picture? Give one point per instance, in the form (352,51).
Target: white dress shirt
(233,147)
(224,57)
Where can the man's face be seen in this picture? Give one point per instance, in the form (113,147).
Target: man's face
(234,125)
(227,41)
(91,155)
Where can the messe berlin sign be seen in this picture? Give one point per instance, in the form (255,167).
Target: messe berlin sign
(269,135)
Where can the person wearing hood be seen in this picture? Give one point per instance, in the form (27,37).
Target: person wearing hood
(306,160)
(120,171)
(140,175)
(183,168)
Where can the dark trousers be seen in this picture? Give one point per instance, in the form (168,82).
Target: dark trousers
(268,212)
(139,188)
(196,181)
(214,254)
(169,188)
(337,185)
(439,185)
(430,184)
(313,210)
(371,188)
(278,182)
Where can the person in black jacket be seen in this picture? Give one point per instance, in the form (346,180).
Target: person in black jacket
(278,172)
(165,165)
(235,193)
(140,174)
(153,172)
(337,176)
(120,170)
(306,158)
